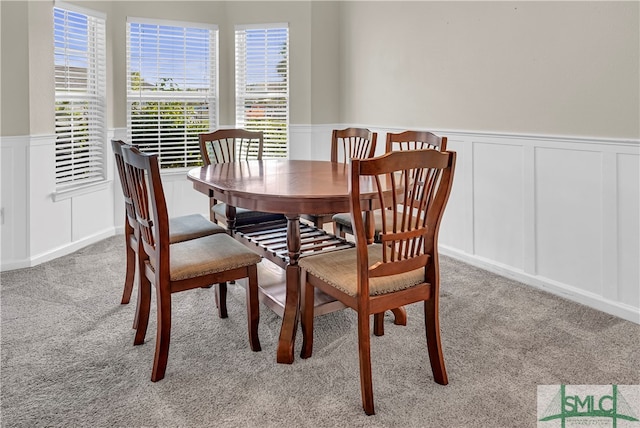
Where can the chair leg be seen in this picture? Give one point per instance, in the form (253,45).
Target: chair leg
(339,231)
(131,271)
(163,336)
(221,299)
(400,315)
(378,324)
(142,310)
(253,308)
(364,347)
(307,316)
(212,214)
(432,325)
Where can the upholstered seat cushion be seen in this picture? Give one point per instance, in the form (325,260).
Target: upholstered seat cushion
(206,255)
(245,216)
(191,226)
(339,268)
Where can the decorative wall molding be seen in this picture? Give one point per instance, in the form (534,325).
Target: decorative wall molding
(554,212)
(37,226)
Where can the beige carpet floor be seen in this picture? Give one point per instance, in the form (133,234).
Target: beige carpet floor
(68,358)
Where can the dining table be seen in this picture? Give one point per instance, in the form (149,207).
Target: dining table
(290,187)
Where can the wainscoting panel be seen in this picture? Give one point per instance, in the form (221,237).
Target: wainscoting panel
(14,227)
(92,213)
(457,223)
(41,225)
(562,215)
(569,217)
(182,199)
(628,228)
(498,202)
(51,222)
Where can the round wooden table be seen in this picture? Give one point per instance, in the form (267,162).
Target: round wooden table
(292,187)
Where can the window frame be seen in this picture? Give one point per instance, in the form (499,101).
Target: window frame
(272,147)
(80,155)
(192,102)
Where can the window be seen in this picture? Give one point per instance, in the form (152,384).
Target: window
(171,88)
(262,84)
(80,100)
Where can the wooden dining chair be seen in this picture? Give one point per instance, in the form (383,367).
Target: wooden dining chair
(181,228)
(346,144)
(402,269)
(407,140)
(230,145)
(182,266)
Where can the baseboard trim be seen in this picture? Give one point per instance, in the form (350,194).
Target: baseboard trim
(57,252)
(565,291)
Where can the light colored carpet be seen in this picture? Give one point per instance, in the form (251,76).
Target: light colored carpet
(68,358)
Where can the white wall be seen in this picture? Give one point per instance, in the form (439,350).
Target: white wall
(544,68)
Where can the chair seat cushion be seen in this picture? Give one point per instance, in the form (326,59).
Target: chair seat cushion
(207,255)
(191,226)
(245,216)
(339,269)
(343,219)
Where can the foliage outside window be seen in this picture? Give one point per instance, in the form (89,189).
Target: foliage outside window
(171,82)
(80,96)
(262,84)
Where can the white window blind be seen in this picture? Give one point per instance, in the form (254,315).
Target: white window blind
(171,81)
(80,96)
(262,84)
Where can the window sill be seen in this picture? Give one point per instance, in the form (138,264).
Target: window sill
(61,195)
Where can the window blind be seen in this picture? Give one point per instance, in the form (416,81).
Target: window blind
(80,97)
(262,84)
(171,82)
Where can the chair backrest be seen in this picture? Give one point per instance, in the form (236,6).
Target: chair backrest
(229,145)
(422,181)
(415,140)
(352,143)
(147,194)
(117,146)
